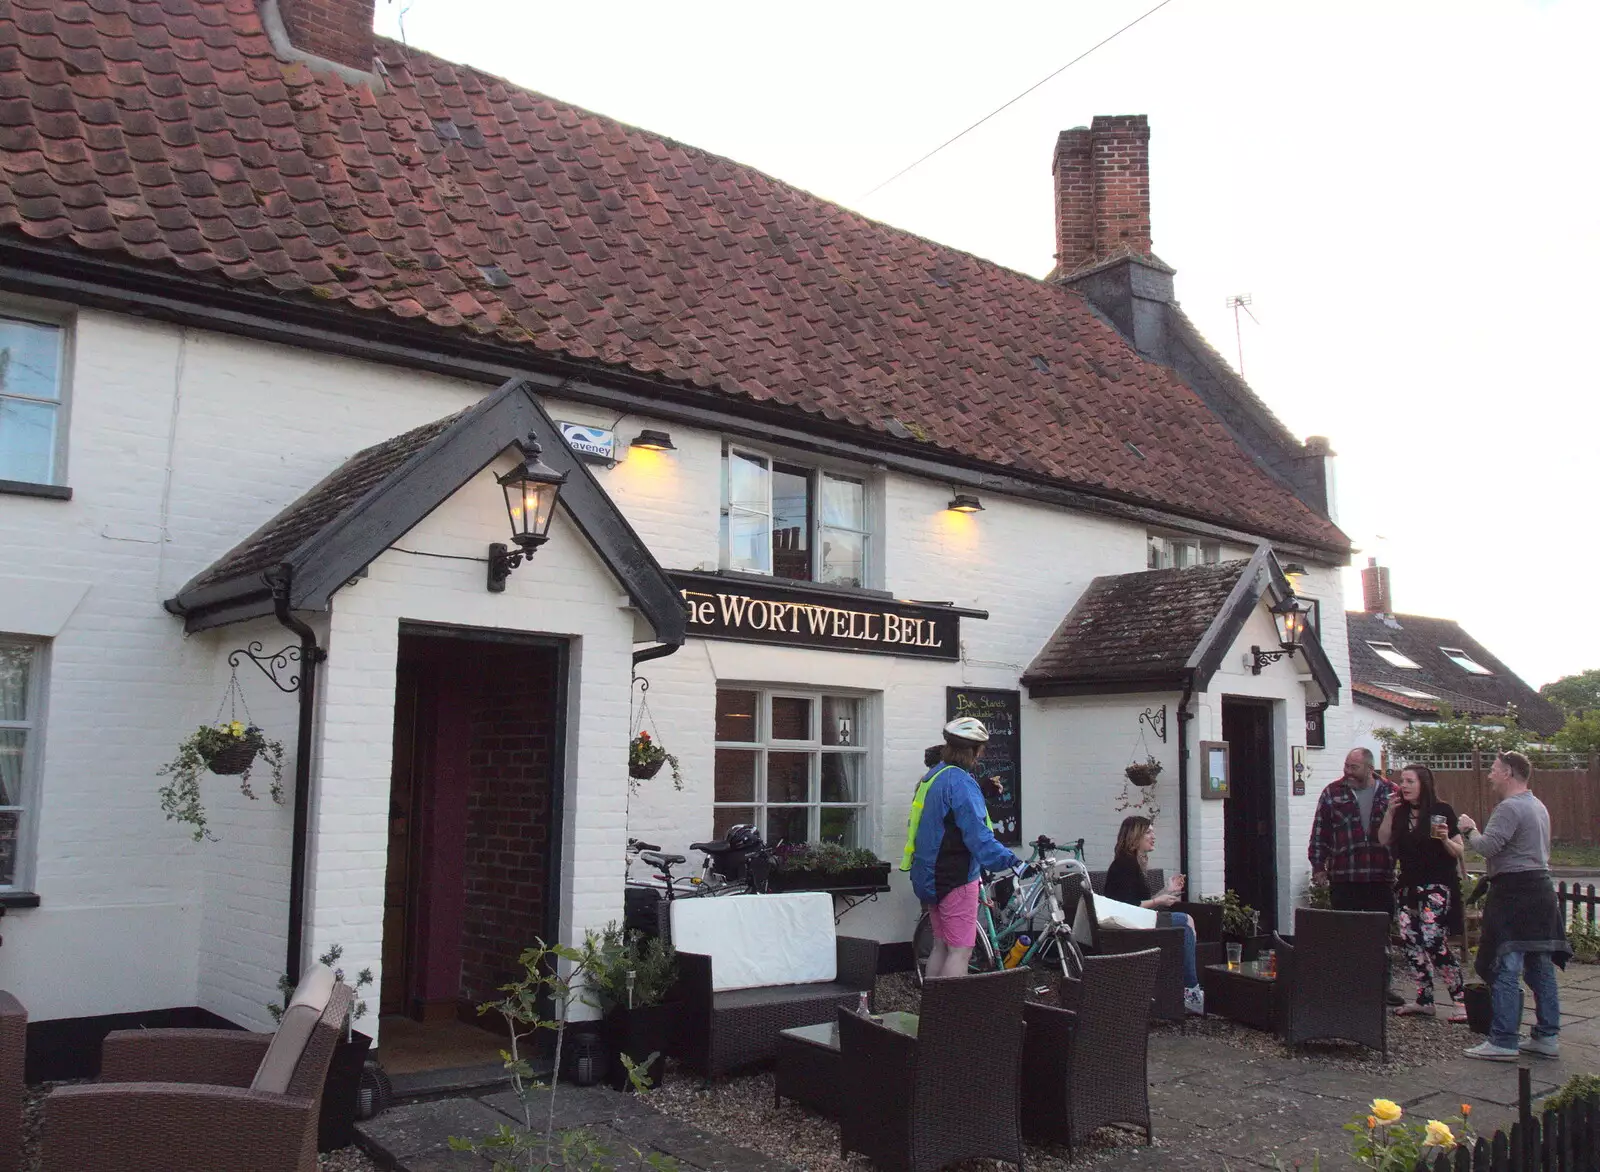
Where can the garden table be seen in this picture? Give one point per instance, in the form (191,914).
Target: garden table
(808,1062)
(1241,993)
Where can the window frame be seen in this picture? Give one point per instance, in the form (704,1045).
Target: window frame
(1465,662)
(765,743)
(1378,645)
(62,322)
(1161,547)
(27,807)
(815,471)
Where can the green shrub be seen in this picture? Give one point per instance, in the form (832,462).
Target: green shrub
(609,957)
(1584,938)
(1579,1086)
(1238,919)
(828,858)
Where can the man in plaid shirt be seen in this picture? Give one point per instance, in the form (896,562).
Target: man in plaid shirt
(1345,851)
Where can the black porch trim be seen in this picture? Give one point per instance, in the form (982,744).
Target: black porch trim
(341,548)
(53,272)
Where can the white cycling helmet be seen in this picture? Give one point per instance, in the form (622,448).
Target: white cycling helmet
(967,728)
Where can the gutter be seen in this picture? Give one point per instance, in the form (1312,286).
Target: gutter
(310,656)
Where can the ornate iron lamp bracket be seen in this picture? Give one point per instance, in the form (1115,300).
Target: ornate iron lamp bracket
(1259,658)
(1156,718)
(275,664)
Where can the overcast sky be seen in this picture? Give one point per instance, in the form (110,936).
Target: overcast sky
(1407,190)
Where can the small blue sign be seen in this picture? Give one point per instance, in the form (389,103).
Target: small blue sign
(593,443)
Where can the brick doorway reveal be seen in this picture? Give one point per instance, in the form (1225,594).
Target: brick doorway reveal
(474,818)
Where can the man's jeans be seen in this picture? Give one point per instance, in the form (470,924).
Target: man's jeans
(1191,974)
(1506,997)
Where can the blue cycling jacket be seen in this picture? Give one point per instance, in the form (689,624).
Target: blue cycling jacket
(954,842)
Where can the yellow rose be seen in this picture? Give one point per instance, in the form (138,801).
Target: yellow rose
(1386,1110)
(1439,1135)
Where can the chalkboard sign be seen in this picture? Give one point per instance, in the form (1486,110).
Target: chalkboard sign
(1000,768)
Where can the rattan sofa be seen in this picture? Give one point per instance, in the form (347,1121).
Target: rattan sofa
(950,1094)
(13,1055)
(1333,980)
(203,1100)
(1087,1066)
(724,1029)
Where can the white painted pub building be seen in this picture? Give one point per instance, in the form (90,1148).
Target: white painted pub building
(274,325)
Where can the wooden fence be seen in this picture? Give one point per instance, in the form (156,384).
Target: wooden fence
(1564,1140)
(1571,795)
(1580,898)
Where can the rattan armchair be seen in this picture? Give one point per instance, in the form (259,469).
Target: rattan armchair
(951,1093)
(1333,981)
(1167,993)
(13,1053)
(198,1100)
(1087,1066)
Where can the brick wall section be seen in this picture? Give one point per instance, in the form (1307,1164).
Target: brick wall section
(1102,182)
(508,816)
(340,30)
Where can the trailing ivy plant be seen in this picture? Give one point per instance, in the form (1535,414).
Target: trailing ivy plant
(180,797)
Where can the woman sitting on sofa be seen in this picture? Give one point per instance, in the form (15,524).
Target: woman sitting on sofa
(1126,883)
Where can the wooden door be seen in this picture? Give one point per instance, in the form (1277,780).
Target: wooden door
(1250,825)
(398,912)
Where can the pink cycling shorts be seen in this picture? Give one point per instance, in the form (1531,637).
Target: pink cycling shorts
(955,917)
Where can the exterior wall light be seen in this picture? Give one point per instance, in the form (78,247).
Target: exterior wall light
(1290,616)
(965,502)
(532,489)
(653,441)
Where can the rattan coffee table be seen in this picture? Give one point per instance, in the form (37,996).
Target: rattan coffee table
(1243,993)
(808,1063)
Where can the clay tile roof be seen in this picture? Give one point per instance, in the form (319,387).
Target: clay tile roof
(1142,627)
(165,132)
(304,518)
(1422,640)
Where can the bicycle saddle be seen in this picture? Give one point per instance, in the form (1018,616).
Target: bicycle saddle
(656,858)
(710,848)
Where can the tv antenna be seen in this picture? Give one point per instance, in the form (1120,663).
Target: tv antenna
(1237,302)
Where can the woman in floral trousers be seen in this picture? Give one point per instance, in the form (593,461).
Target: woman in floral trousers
(1421,831)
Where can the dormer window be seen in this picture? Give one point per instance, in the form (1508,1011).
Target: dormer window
(1393,656)
(1465,662)
(793,520)
(1176,553)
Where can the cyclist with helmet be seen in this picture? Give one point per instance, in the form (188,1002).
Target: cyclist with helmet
(952,846)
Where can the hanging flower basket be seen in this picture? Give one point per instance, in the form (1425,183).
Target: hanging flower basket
(230,749)
(233,754)
(1144,773)
(646,757)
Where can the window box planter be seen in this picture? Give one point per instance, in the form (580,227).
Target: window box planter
(874,877)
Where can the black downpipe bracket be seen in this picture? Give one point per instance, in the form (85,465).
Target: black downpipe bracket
(1183,779)
(310,656)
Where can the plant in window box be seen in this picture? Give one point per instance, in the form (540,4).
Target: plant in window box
(230,749)
(826,866)
(630,978)
(646,757)
(1242,923)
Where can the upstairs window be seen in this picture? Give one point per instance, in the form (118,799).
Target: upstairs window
(1393,656)
(1174,553)
(793,521)
(19,750)
(30,400)
(1464,661)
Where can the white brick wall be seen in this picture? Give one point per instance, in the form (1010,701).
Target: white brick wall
(183,442)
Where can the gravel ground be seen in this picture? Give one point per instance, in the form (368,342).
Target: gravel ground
(344,1160)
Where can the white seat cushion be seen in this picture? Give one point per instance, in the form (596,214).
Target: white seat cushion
(299,1019)
(759,940)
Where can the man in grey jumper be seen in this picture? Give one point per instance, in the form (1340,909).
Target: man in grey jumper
(1522,929)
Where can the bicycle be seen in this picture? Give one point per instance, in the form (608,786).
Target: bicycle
(1051,946)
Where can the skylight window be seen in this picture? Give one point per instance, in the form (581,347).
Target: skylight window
(1413,693)
(1392,655)
(1464,661)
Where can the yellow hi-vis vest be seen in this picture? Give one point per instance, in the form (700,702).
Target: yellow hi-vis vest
(917,800)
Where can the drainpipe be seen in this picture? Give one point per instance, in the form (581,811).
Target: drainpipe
(1183,778)
(310,655)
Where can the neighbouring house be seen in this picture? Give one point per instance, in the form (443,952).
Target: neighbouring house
(1405,667)
(287,309)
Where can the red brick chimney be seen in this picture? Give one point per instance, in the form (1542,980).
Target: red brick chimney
(1375,589)
(1102,180)
(340,30)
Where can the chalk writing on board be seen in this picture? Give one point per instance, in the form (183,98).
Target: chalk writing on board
(999,770)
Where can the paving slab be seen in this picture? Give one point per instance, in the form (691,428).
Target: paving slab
(405,1134)
(575,1106)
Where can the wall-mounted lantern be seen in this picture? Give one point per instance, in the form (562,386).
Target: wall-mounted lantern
(965,502)
(532,489)
(652,440)
(1291,617)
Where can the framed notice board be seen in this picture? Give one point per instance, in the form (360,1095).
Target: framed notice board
(1214,770)
(1000,768)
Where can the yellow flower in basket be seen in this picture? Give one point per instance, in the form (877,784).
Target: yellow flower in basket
(236,728)
(1439,1135)
(1386,1110)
